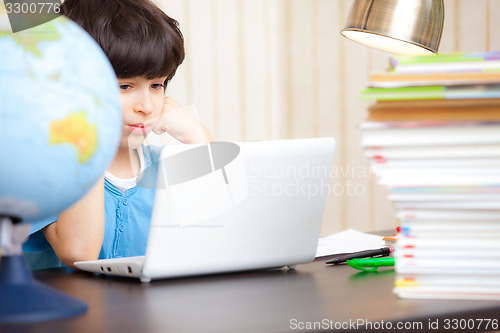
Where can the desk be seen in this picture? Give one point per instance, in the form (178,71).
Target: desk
(257,302)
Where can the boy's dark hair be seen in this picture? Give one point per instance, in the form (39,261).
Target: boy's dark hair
(138,38)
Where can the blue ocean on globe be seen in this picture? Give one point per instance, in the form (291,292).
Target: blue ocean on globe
(60,118)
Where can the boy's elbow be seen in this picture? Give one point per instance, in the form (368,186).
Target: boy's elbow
(73,254)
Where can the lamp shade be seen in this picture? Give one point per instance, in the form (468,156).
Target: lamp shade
(397,26)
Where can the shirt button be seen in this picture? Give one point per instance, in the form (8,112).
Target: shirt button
(122,228)
(125,201)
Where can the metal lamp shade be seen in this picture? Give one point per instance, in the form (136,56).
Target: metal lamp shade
(397,26)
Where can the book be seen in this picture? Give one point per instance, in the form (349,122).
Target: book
(462,66)
(406,243)
(447,266)
(434,163)
(394,80)
(453,57)
(446,286)
(447,228)
(439,179)
(450,104)
(493,204)
(446,215)
(381,154)
(440,110)
(382,135)
(464,293)
(431,92)
(446,190)
(442,63)
(451,253)
(447,196)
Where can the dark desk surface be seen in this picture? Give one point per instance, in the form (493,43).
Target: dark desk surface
(263,301)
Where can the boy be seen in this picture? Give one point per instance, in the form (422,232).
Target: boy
(145,47)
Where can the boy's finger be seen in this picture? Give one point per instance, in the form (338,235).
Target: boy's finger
(170,104)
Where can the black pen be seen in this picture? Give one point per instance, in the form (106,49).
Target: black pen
(343,257)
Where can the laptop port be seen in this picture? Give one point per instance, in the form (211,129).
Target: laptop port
(129,269)
(109,269)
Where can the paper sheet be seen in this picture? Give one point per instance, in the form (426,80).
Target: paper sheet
(349,240)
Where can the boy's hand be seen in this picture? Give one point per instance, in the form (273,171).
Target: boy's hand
(180,123)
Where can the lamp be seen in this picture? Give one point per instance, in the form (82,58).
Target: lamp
(409,27)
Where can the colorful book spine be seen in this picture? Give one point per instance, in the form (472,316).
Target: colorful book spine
(431,92)
(452,62)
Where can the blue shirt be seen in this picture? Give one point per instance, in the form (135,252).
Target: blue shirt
(127,219)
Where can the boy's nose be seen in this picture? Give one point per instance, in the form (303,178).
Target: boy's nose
(144,104)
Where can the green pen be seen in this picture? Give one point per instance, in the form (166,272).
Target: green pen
(370,264)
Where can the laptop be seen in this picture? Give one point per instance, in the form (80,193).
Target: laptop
(226,207)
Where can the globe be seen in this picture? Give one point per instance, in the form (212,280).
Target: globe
(60,125)
(60,118)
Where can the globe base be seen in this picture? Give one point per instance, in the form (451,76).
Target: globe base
(13,219)
(25,300)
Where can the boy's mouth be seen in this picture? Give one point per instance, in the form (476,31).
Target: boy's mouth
(138,128)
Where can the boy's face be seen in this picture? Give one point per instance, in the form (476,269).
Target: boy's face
(142,105)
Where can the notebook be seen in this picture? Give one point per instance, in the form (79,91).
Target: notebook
(226,207)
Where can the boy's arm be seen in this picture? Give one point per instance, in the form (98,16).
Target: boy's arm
(180,123)
(78,233)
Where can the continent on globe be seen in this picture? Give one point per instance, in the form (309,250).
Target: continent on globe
(30,41)
(76,130)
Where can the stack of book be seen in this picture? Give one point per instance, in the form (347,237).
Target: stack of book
(433,138)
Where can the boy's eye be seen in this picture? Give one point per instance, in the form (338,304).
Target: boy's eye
(157,86)
(124,87)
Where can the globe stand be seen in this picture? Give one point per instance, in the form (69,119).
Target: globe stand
(24,299)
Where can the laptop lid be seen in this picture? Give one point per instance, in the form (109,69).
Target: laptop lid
(225,206)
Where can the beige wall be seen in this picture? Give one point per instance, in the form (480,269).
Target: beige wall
(276,69)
